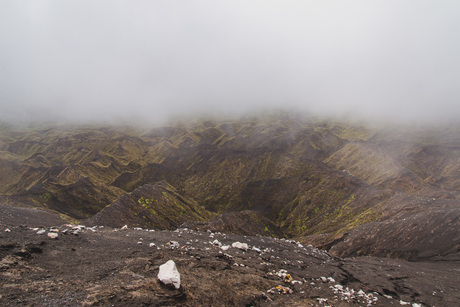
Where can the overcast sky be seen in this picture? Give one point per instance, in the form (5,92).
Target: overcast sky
(110,59)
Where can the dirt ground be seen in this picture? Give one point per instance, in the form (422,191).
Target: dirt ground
(102,266)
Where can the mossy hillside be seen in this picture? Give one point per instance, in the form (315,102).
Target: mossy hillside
(158,151)
(157,206)
(72,199)
(11,171)
(257,163)
(368,163)
(62,158)
(324,202)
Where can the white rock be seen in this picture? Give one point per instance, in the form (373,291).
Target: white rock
(151,244)
(124,227)
(169,274)
(331,279)
(416,305)
(388,296)
(225,247)
(216,243)
(41,231)
(242,246)
(338,287)
(256,249)
(52,235)
(7,230)
(401,302)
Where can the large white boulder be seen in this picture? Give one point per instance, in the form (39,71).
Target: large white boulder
(169,274)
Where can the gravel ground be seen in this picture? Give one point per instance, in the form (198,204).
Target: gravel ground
(102,266)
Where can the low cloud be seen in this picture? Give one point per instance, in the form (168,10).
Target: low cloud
(151,60)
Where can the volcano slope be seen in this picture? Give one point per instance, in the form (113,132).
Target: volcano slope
(346,188)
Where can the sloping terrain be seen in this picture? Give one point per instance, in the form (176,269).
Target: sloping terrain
(320,181)
(427,229)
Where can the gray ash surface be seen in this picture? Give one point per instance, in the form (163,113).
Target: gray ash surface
(114,267)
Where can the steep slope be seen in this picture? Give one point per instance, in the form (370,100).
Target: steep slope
(156,206)
(425,229)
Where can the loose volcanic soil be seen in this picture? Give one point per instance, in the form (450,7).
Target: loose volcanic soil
(118,267)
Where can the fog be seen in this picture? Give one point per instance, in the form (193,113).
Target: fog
(153,60)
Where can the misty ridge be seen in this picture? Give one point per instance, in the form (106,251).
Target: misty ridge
(110,62)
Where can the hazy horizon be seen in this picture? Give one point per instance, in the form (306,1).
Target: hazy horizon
(77,61)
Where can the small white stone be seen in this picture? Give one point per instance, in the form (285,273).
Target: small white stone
(41,231)
(388,296)
(124,227)
(7,230)
(338,287)
(242,246)
(52,235)
(216,243)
